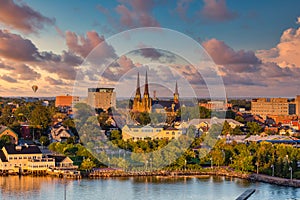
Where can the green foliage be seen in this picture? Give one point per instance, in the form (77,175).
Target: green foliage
(115,135)
(239,119)
(144,118)
(226,128)
(40,117)
(254,128)
(44,140)
(4,140)
(87,164)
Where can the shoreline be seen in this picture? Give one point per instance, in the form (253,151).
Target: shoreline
(165,173)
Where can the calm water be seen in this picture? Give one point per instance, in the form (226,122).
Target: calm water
(154,188)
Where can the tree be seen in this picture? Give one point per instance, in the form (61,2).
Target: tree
(87,164)
(254,128)
(4,140)
(115,135)
(40,117)
(226,128)
(144,118)
(44,140)
(239,119)
(237,131)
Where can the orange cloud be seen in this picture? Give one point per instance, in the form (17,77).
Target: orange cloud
(22,17)
(286,52)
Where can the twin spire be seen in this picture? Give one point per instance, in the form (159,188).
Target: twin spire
(138,87)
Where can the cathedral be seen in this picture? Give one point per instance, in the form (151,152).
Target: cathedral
(145,103)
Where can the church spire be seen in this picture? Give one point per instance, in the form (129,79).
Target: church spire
(176,89)
(176,94)
(146,92)
(138,89)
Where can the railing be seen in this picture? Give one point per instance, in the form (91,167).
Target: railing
(42,160)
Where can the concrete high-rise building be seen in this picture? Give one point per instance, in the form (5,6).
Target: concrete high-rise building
(297,102)
(103,98)
(270,106)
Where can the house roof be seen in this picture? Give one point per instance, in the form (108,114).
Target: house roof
(2,128)
(2,156)
(59,158)
(170,128)
(29,149)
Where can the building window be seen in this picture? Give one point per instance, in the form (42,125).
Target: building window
(173,133)
(167,132)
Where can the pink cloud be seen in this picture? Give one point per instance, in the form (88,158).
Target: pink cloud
(140,14)
(117,69)
(22,17)
(15,47)
(216,10)
(286,52)
(53,81)
(8,79)
(84,45)
(222,54)
(182,7)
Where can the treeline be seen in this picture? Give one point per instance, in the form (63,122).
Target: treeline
(186,153)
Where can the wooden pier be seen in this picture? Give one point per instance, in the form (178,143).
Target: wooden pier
(246,194)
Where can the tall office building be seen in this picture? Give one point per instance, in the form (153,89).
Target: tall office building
(270,106)
(103,98)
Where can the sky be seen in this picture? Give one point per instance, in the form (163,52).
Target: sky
(253,44)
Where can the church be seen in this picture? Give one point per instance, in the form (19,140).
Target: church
(147,104)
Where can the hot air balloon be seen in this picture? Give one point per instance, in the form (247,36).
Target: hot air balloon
(35,88)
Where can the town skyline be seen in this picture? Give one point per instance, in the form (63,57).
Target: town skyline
(253,46)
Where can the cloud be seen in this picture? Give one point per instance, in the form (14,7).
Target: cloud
(286,52)
(216,10)
(119,68)
(8,79)
(82,46)
(24,72)
(182,7)
(53,81)
(237,61)
(140,14)
(22,17)
(244,69)
(65,65)
(5,66)
(13,46)
(298,20)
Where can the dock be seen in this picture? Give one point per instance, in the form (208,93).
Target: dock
(246,194)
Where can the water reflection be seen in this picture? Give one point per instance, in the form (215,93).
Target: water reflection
(139,188)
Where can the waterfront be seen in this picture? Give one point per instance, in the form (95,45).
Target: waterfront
(198,187)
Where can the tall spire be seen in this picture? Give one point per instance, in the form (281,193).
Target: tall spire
(176,88)
(138,89)
(176,94)
(146,92)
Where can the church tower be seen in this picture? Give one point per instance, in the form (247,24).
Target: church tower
(176,94)
(142,104)
(146,101)
(137,99)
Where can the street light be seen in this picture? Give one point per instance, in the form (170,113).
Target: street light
(272,169)
(230,160)
(185,164)
(146,164)
(150,164)
(291,170)
(257,164)
(211,163)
